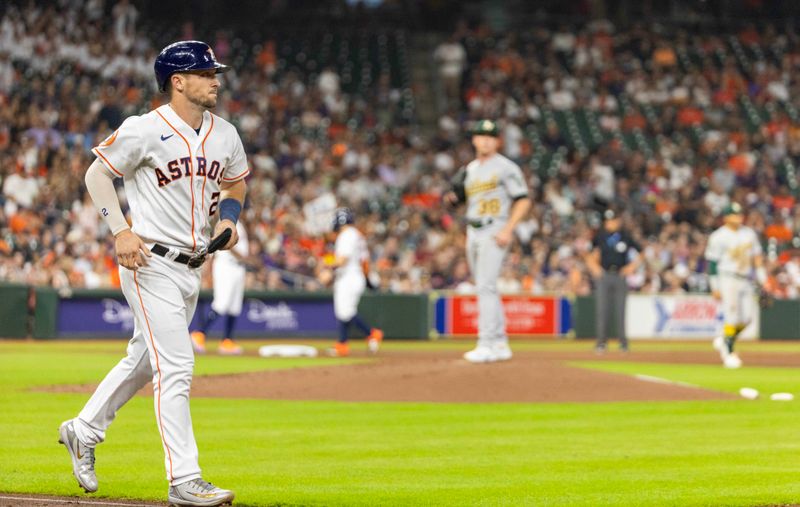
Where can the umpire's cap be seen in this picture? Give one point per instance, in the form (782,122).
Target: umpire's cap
(733,208)
(184,56)
(486,128)
(342,217)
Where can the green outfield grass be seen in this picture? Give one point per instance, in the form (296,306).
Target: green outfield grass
(765,380)
(737,452)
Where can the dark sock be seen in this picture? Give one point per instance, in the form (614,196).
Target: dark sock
(343,327)
(361,325)
(211,316)
(729,341)
(230,320)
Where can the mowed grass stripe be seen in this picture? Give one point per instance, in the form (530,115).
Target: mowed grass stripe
(736,453)
(766,380)
(302,453)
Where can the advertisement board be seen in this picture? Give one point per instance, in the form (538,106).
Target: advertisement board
(682,316)
(457,315)
(111,316)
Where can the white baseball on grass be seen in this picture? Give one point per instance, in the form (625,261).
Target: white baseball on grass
(782,397)
(749,393)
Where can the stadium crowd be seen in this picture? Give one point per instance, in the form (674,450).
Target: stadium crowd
(668,125)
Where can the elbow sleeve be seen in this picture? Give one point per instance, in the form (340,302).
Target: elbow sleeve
(100,185)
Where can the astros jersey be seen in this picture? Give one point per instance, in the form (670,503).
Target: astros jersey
(733,250)
(172,174)
(351,244)
(492,186)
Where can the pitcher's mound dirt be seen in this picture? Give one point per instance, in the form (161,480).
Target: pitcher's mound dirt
(443,376)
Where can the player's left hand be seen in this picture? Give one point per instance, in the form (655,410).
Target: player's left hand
(221,226)
(504,237)
(765,298)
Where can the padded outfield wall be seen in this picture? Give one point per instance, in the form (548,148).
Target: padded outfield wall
(44,313)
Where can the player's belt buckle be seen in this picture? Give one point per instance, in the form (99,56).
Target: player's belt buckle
(197,259)
(477,224)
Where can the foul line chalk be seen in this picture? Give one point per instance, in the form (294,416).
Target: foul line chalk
(659,380)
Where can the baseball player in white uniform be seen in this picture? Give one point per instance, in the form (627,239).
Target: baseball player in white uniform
(351,263)
(497,199)
(182,167)
(228,272)
(734,254)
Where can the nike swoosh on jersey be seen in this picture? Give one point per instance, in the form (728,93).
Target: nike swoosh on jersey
(164,138)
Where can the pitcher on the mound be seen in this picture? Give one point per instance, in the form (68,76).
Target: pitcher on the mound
(734,255)
(497,199)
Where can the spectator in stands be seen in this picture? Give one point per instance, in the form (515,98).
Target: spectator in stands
(450,56)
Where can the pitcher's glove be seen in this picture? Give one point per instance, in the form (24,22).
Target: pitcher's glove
(765,299)
(458,187)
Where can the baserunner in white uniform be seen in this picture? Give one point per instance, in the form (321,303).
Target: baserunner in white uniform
(734,255)
(497,199)
(351,259)
(228,273)
(182,167)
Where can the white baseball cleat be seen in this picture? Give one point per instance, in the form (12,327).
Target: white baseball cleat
(502,351)
(199,493)
(82,456)
(481,354)
(732,361)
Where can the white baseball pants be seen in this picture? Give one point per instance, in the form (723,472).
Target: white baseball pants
(163,296)
(485,260)
(737,299)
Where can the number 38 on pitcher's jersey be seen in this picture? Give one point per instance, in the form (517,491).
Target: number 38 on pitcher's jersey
(492,186)
(172,174)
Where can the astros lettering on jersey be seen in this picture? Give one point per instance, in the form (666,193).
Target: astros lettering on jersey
(166,165)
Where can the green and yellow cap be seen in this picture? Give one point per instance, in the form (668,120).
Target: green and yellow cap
(733,208)
(486,128)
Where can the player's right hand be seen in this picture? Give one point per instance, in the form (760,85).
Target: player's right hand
(716,295)
(131,251)
(227,224)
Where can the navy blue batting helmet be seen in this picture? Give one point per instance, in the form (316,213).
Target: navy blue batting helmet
(184,56)
(342,217)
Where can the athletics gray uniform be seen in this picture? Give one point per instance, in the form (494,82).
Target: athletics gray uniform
(491,188)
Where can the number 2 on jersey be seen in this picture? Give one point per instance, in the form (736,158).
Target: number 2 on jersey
(214,203)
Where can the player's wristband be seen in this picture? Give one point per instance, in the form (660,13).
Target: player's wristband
(229,209)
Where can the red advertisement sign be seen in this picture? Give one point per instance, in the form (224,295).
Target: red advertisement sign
(525,315)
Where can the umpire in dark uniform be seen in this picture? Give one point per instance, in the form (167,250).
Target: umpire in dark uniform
(614,256)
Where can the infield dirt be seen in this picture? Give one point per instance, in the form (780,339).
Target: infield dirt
(443,376)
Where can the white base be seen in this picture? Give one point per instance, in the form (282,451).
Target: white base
(287,351)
